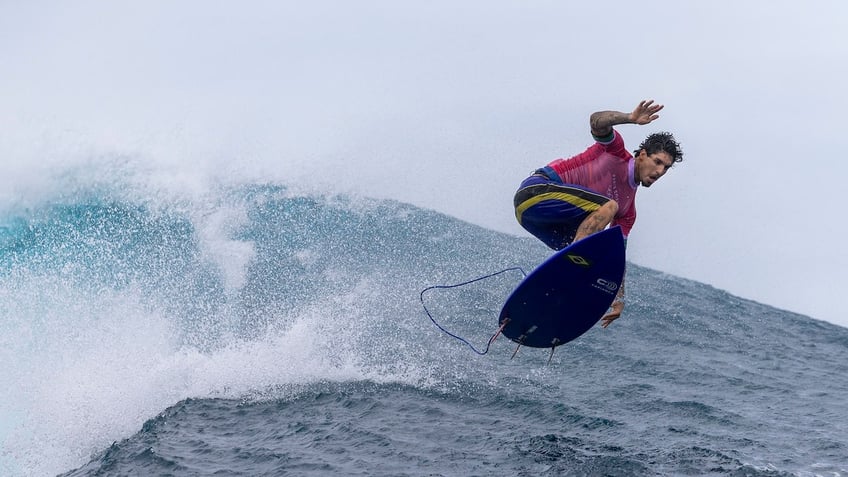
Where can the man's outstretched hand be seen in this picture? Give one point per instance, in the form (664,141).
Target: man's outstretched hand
(617,308)
(645,112)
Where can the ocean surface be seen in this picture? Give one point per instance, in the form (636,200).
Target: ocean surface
(267,331)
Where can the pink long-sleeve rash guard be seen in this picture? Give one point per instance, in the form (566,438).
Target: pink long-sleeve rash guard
(608,169)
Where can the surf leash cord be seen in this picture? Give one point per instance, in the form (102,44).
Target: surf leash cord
(457,285)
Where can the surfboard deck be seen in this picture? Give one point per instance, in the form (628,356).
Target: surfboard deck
(567,294)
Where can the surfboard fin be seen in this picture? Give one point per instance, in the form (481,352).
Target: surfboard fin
(504,322)
(523,337)
(554,343)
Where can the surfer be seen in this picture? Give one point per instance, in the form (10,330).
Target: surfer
(570,199)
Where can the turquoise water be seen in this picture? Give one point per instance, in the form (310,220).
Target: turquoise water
(272,332)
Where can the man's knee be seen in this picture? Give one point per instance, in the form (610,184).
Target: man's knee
(611,207)
(603,216)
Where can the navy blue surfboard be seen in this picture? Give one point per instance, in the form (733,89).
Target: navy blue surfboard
(567,294)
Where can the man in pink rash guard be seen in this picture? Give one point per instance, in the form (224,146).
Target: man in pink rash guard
(570,199)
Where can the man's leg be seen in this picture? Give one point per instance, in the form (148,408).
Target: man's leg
(597,220)
(554,212)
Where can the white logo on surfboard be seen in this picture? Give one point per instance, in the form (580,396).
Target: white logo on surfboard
(606,285)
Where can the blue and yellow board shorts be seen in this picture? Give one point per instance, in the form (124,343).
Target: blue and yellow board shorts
(551,210)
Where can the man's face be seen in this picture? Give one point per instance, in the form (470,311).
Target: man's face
(649,168)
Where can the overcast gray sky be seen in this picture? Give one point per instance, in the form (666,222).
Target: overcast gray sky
(414,100)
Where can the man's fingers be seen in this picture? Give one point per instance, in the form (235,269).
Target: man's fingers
(605,321)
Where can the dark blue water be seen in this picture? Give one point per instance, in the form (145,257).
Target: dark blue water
(268,332)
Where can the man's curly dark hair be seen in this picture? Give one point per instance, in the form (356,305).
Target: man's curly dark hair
(661,141)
